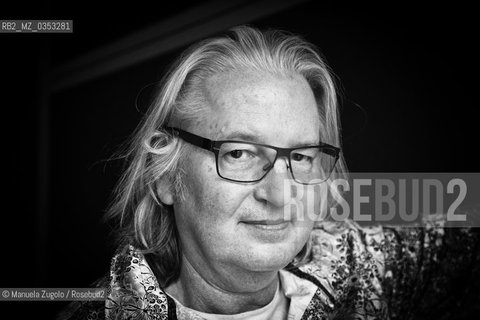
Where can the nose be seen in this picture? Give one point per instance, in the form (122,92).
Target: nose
(274,188)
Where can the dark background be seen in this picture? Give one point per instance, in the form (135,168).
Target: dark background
(406,71)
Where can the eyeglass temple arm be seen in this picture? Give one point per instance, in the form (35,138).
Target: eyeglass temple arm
(331,150)
(198,141)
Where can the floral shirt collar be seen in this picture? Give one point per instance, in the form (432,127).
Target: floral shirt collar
(314,289)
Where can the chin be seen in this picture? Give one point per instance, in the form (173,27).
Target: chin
(271,257)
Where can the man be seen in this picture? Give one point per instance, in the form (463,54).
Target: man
(222,209)
(243,122)
(227,177)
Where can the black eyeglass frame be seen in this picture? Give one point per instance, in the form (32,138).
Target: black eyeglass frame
(214,146)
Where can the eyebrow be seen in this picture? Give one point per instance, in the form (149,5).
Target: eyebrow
(243,136)
(260,139)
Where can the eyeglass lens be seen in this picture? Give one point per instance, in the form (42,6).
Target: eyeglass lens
(245,162)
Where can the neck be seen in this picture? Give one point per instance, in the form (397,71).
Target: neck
(237,292)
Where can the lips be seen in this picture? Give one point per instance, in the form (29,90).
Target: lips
(266,222)
(268,230)
(267,225)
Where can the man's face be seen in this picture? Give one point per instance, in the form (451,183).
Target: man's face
(224,224)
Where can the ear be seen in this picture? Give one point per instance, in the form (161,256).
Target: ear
(164,193)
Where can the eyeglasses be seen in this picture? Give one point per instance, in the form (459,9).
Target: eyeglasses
(242,161)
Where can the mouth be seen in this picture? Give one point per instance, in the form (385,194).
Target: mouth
(279,224)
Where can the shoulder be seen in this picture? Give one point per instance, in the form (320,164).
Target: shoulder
(132,292)
(347,260)
(348,245)
(426,269)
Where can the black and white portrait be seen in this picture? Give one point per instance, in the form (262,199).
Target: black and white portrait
(183,160)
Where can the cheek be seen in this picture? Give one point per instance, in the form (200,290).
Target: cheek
(308,203)
(210,200)
(315,199)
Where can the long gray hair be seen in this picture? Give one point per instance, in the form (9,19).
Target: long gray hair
(153,156)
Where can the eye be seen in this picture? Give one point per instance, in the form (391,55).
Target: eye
(236,154)
(239,155)
(301,157)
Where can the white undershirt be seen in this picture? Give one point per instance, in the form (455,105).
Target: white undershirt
(276,309)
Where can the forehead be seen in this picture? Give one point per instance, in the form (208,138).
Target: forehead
(272,109)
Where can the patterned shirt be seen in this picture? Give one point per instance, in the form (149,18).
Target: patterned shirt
(423,272)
